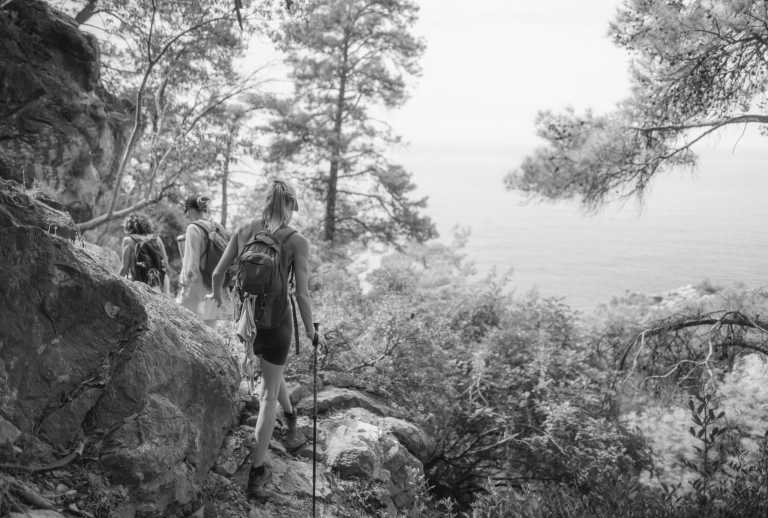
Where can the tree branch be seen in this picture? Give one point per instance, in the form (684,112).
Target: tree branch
(713,125)
(152,62)
(86,12)
(105,218)
(151,30)
(728,318)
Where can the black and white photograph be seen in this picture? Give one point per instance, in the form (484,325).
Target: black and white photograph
(383,258)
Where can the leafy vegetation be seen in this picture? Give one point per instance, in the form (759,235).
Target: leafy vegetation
(196,105)
(698,67)
(530,410)
(172,67)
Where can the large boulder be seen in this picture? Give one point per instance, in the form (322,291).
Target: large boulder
(359,446)
(87,357)
(59,129)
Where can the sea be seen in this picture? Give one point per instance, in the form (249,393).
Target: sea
(708,223)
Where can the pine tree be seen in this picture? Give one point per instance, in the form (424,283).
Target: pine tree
(698,66)
(348,58)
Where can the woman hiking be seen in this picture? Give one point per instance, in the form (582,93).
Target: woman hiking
(144,258)
(193,287)
(272,325)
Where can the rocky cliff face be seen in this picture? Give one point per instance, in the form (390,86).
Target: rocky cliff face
(94,364)
(57,129)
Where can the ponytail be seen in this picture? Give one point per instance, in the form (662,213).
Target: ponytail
(281,202)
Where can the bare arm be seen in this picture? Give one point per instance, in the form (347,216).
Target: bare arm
(301,269)
(193,249)
(227,257)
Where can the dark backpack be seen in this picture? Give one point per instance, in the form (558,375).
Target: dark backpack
(262,272)
(148,264)
(216,239)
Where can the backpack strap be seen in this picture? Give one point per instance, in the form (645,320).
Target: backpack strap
(207,233)
(286,237)
(137,242)
(134,253)
(295,321)
(202,227)
(161,248)
(291,282)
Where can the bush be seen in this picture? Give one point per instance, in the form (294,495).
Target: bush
(508,388)
(530,416)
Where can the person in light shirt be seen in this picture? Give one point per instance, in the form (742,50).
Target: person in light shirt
(193,285)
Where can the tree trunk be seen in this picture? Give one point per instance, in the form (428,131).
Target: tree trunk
(86,12)
(225,176)
(333,173)
(330,202)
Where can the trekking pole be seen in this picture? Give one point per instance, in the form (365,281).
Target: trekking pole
(315,342)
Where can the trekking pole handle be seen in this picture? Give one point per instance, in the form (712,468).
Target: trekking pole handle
(316,338)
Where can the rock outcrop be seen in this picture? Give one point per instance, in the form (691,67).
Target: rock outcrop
(357,448)
(59,130)
(93,361)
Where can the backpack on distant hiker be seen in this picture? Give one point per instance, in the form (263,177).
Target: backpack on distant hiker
(148,261)
(263,273)
(216,239)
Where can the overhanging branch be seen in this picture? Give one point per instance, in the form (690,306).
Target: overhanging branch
(748,118)
(716,319)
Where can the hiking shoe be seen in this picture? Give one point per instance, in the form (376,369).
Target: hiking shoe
(294,439)
(258,477)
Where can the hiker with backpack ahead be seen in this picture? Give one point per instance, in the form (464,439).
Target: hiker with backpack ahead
(144,258)
(204,242)
(267,253)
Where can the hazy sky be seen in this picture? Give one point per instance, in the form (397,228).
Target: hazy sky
(490,65)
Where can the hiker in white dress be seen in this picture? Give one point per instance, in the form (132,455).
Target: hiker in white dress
(192,285)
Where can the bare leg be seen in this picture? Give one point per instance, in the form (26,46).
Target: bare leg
(248,368)
(294,439)
(272,375)
(283,398)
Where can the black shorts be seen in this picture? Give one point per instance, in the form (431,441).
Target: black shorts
(273,345)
